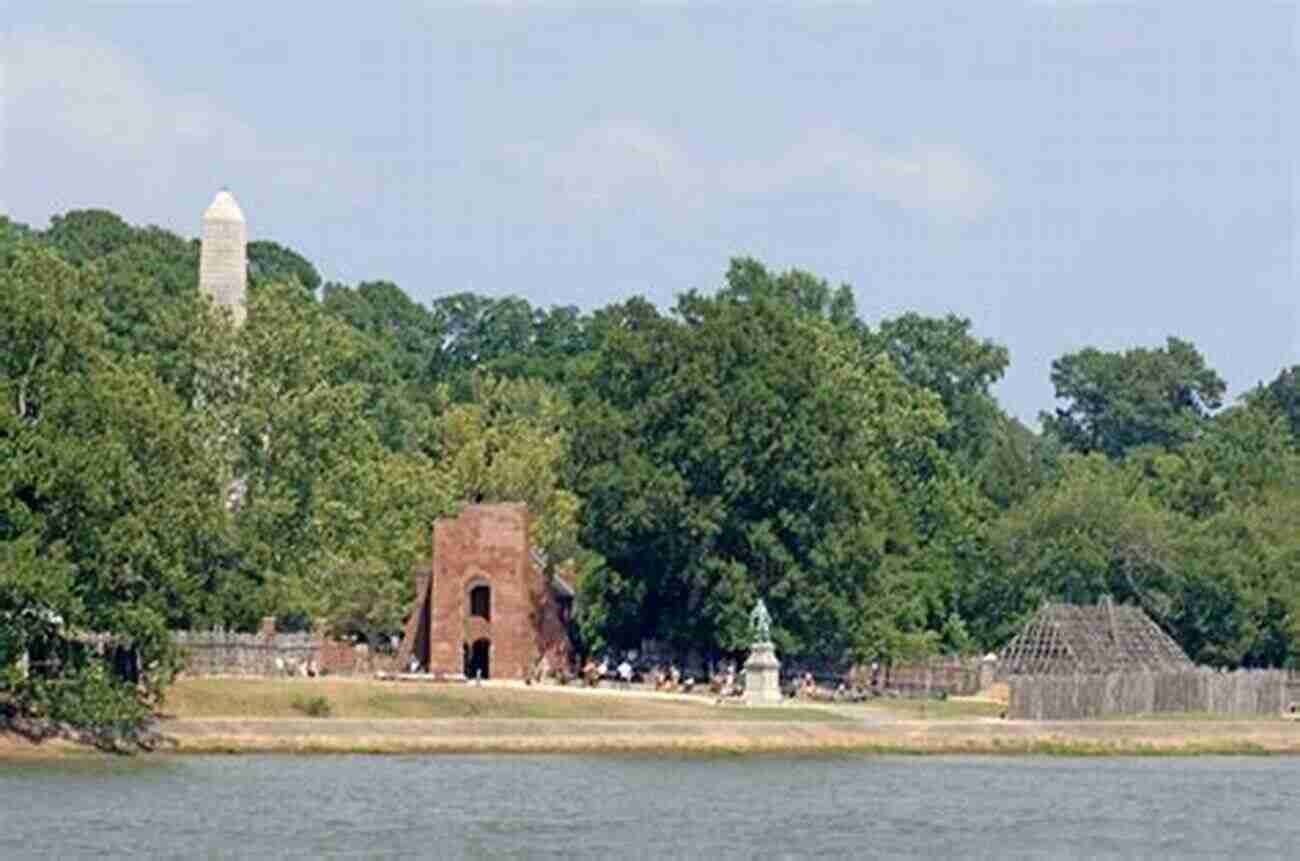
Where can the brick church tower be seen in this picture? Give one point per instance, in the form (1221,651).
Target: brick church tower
(484,608)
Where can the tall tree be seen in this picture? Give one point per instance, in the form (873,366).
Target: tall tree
(409,331)
(1117,402)
(272,263)
(323,494)
(1242,455)
(12,235)
(1280,397)
(109,489)
(941,355)
(1096,532)
(748,280)
(511,444)
(1017,462)
(751,450)
(82,235)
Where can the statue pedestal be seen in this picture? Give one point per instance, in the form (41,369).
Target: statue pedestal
(762,676)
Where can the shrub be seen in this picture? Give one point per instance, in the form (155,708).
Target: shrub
(101,709)
(317,706)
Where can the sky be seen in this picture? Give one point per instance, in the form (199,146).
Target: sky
(1064,174)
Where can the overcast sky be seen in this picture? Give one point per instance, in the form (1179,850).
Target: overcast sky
(1063,173)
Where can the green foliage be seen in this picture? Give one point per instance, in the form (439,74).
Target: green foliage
(1219,577)
(410,333)
(763,441)
(1016,463)
(505,337)
(805,294)
(941,355)
(85,234)
(1280,398)
(1117,402)
(36,600)
(270,263)
(1240,456)
(12,236)
(327,506)
(92,701)
(1096,532)
(956,639)
(1242,604)
(753,449)
(109,490)
(317,706)
(510,443)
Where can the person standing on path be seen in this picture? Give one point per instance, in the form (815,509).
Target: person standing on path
(625,674)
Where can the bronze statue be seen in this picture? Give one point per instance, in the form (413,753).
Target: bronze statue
(760,623)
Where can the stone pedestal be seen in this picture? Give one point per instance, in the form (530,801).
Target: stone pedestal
(762,676)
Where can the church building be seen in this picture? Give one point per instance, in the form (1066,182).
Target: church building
(484,608)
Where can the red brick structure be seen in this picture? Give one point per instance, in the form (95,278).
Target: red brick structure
(483,607)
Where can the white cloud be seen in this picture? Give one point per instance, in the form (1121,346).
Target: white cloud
(100,100)
(4,104)
(113,129)
(938,180)
(607,165)
(626,163)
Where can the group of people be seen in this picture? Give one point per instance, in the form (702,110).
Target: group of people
(593,672)
(666,679)
(805,688)
(671,679)
(297,667)
(726,682)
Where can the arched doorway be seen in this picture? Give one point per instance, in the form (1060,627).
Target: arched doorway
(478,659)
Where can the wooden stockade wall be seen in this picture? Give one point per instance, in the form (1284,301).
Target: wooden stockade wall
(225,653)
(221,653)
(1247,693)
(950,676)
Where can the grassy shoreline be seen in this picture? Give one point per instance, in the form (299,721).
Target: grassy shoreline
(723,746)
(251,716)
(12,749)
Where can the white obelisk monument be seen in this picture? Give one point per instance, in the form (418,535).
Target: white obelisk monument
(223,255)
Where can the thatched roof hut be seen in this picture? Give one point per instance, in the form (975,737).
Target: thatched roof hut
(1064,639)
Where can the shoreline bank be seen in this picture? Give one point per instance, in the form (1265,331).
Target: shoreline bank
(721,738)
(739,737)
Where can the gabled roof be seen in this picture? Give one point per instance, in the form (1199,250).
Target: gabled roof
(1066,639)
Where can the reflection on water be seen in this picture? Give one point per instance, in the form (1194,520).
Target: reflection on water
(526,806)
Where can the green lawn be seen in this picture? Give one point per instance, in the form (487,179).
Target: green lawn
(370,699)
(949,709)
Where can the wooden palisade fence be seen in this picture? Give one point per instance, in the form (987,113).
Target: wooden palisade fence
(1247,693)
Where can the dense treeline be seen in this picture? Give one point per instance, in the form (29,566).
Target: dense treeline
(161,469)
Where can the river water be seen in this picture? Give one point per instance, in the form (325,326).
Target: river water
(607,807)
